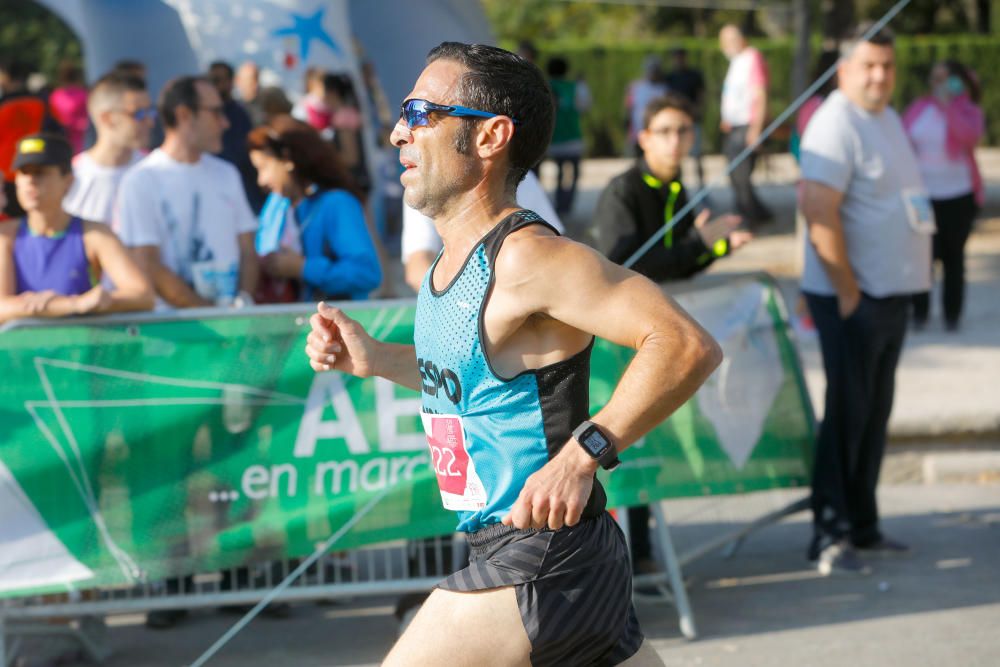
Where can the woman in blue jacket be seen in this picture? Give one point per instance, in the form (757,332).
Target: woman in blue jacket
(314,240)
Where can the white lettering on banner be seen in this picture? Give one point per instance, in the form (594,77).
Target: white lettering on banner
(292,476)
(381,468)
(390,410)
(259,482)
(329,388)
(254,482)
(336,469)
(336,477)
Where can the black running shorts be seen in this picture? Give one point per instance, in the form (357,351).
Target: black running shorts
(574,588)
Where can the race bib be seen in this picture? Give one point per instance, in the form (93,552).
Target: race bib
(461,489)
(919,212)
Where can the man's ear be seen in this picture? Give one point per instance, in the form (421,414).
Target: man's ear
(641,139)
(105,116)
(494,135)
(183,114)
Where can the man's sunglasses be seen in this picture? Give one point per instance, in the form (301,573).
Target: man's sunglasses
(416,112)
(142,114)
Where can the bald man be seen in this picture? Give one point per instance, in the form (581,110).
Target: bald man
(247,85)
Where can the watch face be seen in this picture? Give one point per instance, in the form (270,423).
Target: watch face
(594,441)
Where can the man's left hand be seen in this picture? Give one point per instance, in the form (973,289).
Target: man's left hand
(555,495)
(284,263)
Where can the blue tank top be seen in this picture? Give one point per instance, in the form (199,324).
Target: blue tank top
(58,263)
(488,433)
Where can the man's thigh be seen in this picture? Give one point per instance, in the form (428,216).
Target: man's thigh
(457,629)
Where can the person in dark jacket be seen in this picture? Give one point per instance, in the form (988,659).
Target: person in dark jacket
(635,205)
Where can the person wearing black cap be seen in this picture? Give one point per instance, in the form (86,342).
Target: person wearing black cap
(51,263)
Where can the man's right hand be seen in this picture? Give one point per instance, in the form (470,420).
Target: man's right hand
(848,303)
(36,302)
(337,342)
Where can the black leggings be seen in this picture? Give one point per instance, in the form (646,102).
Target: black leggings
(954,219)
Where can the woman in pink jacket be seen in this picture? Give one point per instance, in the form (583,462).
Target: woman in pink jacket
(945,127)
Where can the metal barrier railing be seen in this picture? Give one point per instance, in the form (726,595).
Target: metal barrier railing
(394,568)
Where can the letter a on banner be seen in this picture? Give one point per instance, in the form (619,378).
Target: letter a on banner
(329,388)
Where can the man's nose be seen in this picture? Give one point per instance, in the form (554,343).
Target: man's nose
(401,134)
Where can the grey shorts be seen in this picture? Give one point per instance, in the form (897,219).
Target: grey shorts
(573,585)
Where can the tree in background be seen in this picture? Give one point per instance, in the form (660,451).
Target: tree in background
(32,34)
(548,20)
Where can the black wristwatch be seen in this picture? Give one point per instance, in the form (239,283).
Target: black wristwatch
(597,445)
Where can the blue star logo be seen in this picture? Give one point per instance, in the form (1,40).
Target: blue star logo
(307,29)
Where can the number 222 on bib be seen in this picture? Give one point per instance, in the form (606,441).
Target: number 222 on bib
(460,486)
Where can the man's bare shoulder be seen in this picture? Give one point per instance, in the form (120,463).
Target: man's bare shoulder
(535,253)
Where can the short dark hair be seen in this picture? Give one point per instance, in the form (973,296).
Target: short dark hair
(180,92)
(69,73)
(109,89)
(223,65)
(967,76)
(557,67)
(503,83)
(340,84)
(881,37)
(668,101)
(134,67)
(17,70)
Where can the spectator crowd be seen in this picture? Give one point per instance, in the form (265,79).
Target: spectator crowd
(222,194)
(225,193)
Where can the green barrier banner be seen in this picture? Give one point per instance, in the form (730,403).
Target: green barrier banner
(137,449)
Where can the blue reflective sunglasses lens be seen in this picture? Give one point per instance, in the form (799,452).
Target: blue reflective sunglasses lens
(414,112)
(143,114)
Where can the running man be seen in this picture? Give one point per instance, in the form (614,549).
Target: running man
(506,319)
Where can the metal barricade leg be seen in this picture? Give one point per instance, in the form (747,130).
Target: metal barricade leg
(674,575)
(3,642)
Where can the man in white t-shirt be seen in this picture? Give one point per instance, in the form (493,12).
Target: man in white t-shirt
(744,109)
(421,243)
(123,116)
(183,211)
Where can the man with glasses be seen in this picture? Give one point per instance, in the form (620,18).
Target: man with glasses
(505,323)
(634,206)
(183,211)
(123,116)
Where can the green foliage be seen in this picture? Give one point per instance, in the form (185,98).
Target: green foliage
(32,34)
(608,70)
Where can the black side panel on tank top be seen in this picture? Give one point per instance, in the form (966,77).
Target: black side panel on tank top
(563,387)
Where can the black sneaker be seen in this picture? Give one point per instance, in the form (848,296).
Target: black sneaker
(840,559)
(883,548)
